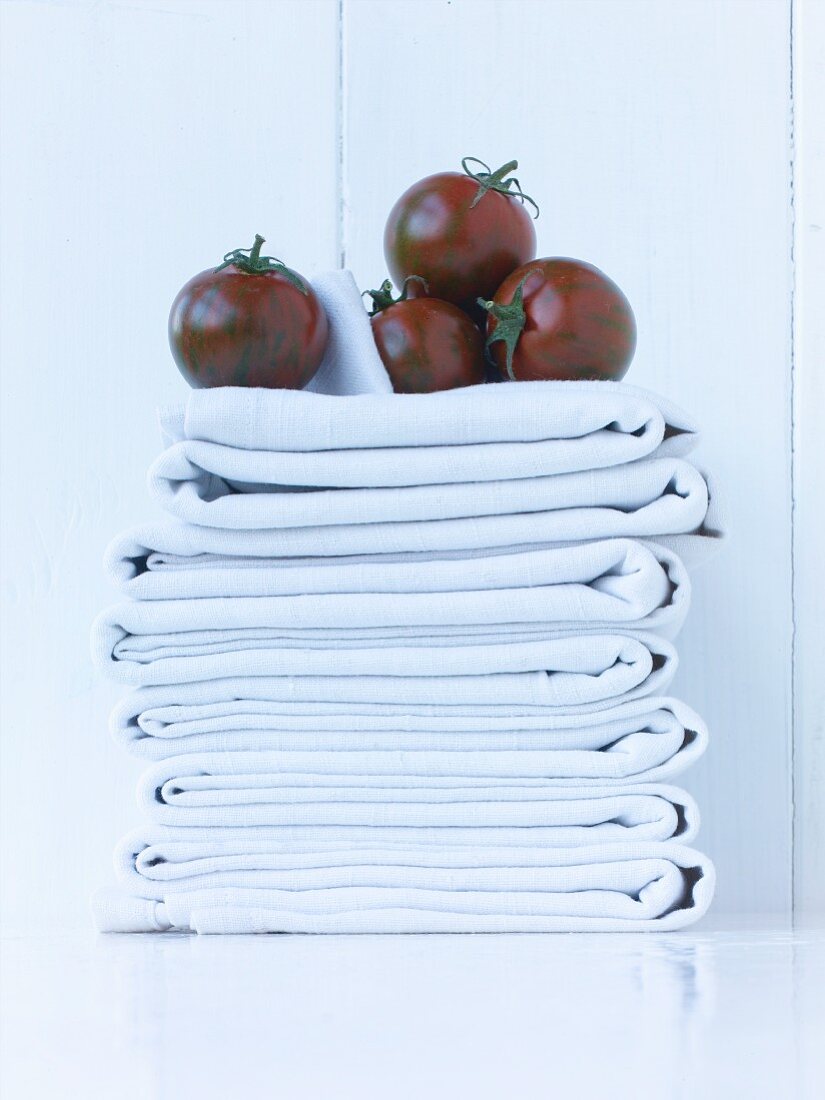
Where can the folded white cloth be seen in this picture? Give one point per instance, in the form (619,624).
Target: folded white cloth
(160,560)
(642,741)
(174,642)
(351,362)
(667,500)
(231,881)
(617,582)
(262,604)
(358,796)
(251,702)
(481,467)
(600,423)
(650,497)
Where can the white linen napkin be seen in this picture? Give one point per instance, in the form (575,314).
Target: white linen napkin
(603,423)
(135,645)
(351,362)
(178,545)
(220,469)
(656,495)
(258,886)
(456,796)
(615,580)
(451,453)
(643,741)
(487,599)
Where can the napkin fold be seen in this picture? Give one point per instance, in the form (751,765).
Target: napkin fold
(478,468)
(652,496)
(603,423)
(135,646)
(646,740)
(616,580)
(352,604)
(224,881)
(450,799)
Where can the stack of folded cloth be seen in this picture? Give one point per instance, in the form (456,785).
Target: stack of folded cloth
(401,662)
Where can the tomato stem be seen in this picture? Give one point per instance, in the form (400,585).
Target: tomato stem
(255,251)
(382,298)
(251,262)
(496,181)
(500,173)
(510,321)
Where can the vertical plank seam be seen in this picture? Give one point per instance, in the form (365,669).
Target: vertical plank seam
(793,428)
(340,125)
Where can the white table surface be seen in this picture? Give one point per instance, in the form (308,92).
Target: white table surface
(732,1009)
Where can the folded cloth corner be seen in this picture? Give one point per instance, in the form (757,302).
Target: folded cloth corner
(351,362)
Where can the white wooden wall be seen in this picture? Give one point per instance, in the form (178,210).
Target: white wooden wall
(809,463)
(142,140)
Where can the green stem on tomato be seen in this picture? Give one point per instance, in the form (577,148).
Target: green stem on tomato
(255,251)
(510,321)
(382,298)
(251,262)
(499,175)
(488,180)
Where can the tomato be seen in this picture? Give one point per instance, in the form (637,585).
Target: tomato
(464,234)
(250,322)
(560,319)
(424,343)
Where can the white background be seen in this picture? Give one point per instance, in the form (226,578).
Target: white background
(674,143)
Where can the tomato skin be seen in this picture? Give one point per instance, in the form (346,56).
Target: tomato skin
(428,345)
(463,251)
(229,327)
(578,323)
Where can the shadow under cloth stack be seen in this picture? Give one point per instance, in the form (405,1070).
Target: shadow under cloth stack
(400,664)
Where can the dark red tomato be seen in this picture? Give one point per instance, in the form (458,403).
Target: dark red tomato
(425,344)
(560,319)
(250,322)
(464,234)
